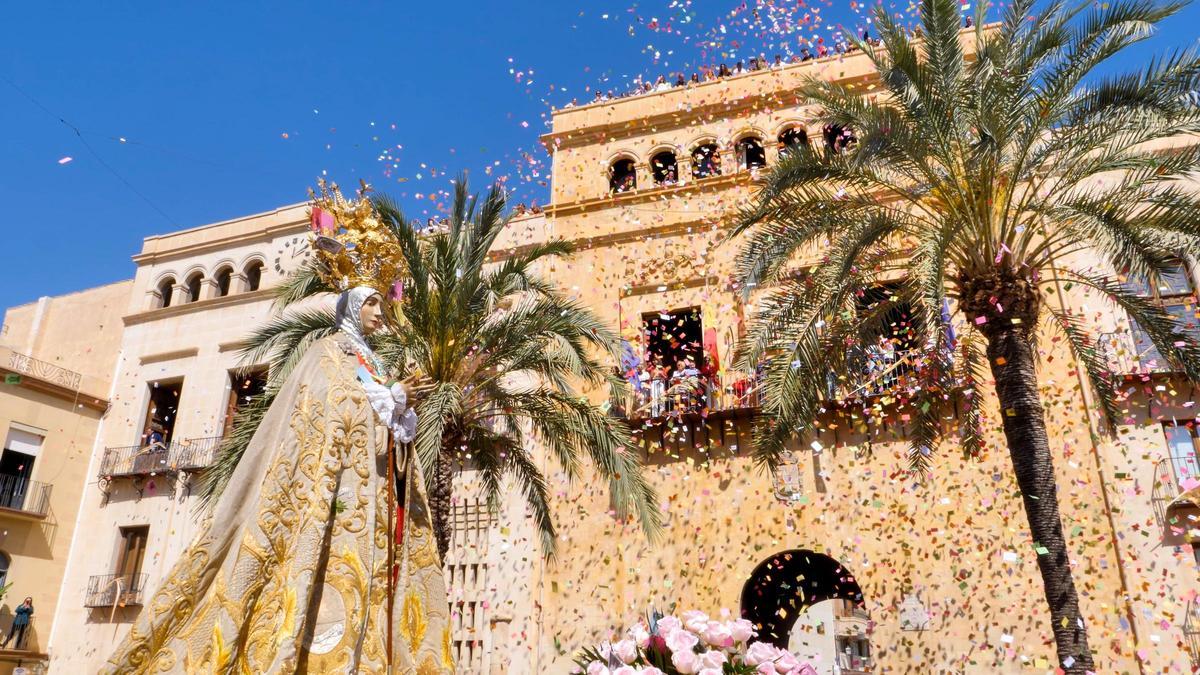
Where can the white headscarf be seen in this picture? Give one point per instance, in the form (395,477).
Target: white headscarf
(349,322)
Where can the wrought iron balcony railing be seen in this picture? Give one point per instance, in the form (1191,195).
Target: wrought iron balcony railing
(194,453)
(21,494)
(42,370)
(191,454)
(1172,477)
(106,590)
(1191,632)
(848,663)
(879,374)
(21,640)
(688,395)
(135,460)
(1122,355)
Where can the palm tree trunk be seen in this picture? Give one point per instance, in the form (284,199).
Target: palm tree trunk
(441,497)
(1011,356)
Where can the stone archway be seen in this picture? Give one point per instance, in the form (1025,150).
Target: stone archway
(781,587)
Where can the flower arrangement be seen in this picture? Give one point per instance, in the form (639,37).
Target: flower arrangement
(690,644)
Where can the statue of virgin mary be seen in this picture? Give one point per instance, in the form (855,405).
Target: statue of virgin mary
(299,568)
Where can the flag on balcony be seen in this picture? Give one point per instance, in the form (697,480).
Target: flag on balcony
(712,357)
(629,364)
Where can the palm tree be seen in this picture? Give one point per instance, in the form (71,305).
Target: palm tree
(501,351)
(976,180)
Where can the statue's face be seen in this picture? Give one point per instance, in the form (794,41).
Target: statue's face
(371,315)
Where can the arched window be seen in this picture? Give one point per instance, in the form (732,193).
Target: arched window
(166,288)
(224,277)
(664,168)
(792,137)
(194,283)
(622,176)
(838,139)
(254,275)
(706,161)
(5,561)
(750,153)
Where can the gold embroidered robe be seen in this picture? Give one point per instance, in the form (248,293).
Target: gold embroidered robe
(289,574)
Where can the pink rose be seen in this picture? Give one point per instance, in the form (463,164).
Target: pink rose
(695,621)
(625,670)
(760,653)
(651,670)
(787,662)
(668,624)
(686,662)
(804,669)
(718,634)
(625,650)
(709,671)
(741,630)
(681,641)
(713,659)
(767,668)
(597,668)
(640,635)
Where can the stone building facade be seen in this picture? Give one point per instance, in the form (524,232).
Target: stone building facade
(884,573)
(57,357)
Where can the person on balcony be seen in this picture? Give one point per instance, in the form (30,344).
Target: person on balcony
(319,555)
(20,624)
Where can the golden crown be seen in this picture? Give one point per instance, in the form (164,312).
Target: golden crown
(352,245)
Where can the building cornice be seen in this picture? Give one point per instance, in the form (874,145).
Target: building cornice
(198,306)
(689,115)
(220,243)
(65,394)
(650,194)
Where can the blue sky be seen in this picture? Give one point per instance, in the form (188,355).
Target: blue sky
(198,112)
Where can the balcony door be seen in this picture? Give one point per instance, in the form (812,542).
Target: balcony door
(244,386)
(1183,446)
(21,450)
(132,554)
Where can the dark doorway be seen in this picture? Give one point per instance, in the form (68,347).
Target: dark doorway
(782,586)
(673,336)
(161,412)
(896,323)
(244,386)
(133,550)
(16,468)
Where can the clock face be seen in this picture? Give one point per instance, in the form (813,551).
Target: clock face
(291,254)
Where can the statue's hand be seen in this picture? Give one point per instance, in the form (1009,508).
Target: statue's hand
(416,388)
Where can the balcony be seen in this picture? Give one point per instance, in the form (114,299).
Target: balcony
(688,396)
(880,374)
(24,498)
(42,370)
(192,454)
(135,460)
(24,648)
(121,590)
(1122,355)
(1174,476)
(848,664)
(1191,632)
